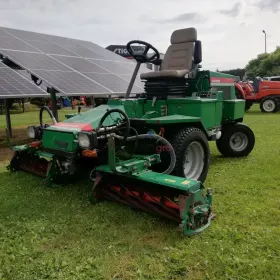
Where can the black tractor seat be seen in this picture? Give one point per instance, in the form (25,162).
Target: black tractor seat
(180,63)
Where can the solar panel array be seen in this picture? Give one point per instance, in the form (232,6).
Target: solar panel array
(13,85)
(73,67)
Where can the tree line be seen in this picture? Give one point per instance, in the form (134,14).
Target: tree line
(265,64)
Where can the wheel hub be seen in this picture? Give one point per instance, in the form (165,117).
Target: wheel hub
(238,141)
(194,160)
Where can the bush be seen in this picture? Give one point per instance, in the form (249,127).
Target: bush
(40,101)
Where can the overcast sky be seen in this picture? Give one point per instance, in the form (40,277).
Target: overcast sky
(230,30)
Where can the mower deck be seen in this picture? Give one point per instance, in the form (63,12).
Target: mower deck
(177,199)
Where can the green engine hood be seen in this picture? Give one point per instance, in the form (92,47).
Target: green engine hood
(63,136)
(87,121)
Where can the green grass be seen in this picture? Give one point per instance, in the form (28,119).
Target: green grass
(32,117)
(54,233)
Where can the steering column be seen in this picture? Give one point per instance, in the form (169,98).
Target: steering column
(140,58)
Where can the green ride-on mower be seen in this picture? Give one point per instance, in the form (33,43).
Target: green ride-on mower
(149,151)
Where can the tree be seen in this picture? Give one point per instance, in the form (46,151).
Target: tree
(40,101)
(239,72)
(266,64)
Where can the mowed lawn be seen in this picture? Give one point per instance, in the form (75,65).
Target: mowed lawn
(55,233)
(32,117)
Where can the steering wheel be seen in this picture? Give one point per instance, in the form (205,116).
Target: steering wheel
(121,123)
(143,57)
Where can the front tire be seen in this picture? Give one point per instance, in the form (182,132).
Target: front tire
(192,154)
(248,105)
(237,140)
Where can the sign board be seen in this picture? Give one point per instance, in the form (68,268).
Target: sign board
(122,50)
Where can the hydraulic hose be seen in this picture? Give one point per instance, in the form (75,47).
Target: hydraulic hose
(45,108)
(160,139)
(136,142)
(137,137)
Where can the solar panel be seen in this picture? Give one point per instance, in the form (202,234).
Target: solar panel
(112,66)
(13,85)
(24,73)
(25,35)
(80,64)
(72,83)
(104,53)
(83,52)
(70,66)
(34,61)
(4,34)
(138,83)
(84,49)
(10,43)
(51,48)
(65,79)
(112,82)
(63,41)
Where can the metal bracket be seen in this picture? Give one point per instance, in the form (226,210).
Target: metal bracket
(97,180)
(112,153)
(154,101)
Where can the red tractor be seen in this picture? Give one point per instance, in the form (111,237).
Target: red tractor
(266,93)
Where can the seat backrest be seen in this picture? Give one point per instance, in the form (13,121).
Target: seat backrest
(184,51)
(256,84)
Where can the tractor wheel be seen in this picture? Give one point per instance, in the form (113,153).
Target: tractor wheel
(238,94)
(237,140)
(248,105)
(269,105)
(192,154)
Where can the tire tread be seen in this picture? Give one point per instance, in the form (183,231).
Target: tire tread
(178,145)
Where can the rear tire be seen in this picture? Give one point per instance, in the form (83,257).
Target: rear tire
(238,94)
(269,105)
(248,104)
(237,140)
(192,154)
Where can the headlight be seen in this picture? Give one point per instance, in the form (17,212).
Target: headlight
(87,140)
(84,141)
(33,132)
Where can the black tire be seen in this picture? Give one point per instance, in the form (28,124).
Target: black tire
(272,101)
(225,146)
(238,94)
(181,142)
(248,105)
(278,104)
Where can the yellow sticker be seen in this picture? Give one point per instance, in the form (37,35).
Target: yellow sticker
(170,181)
(186,182)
